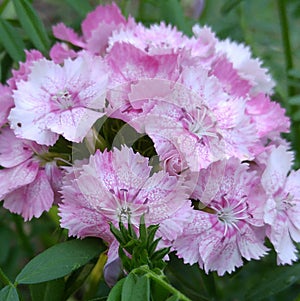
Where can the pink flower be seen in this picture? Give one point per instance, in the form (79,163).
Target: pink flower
(203,45)
(223,229)
(26,185)
(96,28)
(118,185)
(130,66)
(61,51)
(248,68)
(282,207)
(56,100)
(157,39)
(6,103)
(267,116)
(24,68)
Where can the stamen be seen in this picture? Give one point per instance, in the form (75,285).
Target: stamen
(63,99)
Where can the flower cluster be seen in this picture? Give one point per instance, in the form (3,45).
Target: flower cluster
(219,177)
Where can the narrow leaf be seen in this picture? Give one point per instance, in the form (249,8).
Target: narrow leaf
(9,293)
(11,41)
(60,260)
(32,24)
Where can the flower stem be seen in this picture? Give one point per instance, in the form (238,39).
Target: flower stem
(4,279)
(160,279)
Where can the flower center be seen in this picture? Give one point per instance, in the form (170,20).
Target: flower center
(122,210)
(283,203)
(200,123)
(230,212)
(63,99)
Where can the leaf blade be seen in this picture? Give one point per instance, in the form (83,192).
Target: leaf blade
(9,293)
(11,41)
(56,261)
(32,25)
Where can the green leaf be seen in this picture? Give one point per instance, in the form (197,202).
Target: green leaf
(141,290)
(4,5)
(60,260)
(273,282)
(229,5)
(82,7)
(9,293)
(11,41)
(128,287)
(32,24)
(48,291)
(116,292)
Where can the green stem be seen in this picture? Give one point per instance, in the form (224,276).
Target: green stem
(281,5)
(4,279)
(160,279)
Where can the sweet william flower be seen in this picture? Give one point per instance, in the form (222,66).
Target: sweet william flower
(96,28)
(117,185)
(224,229)
(282,208)
(6,103)
(28,184)
(57,99)
(248,68)
(24,68)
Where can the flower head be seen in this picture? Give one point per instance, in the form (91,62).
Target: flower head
(28,183)
(223,229)
(116,186)
(282,208)
(56,99)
